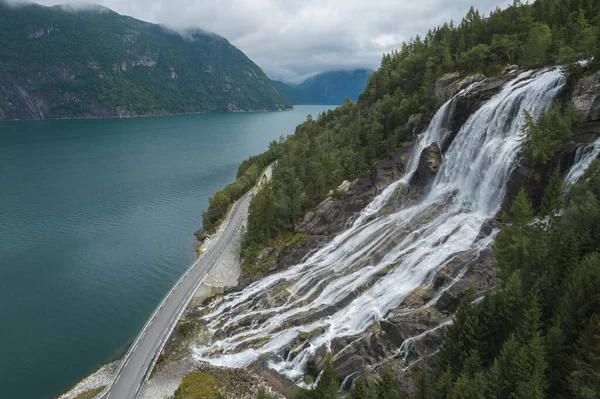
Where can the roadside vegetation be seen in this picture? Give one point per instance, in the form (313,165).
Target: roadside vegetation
(247,176)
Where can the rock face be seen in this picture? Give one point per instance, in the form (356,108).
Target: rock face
(272,259)
(334,214)
(416,124)
(430,162)
(450,84)
(535,184)
(586,98)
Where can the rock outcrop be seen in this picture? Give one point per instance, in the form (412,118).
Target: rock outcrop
(430,162)
(586,98)
(335,213)
(451,84)
(535,183)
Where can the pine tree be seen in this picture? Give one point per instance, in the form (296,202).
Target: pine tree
(327,387)
(423,387)
(552,202)
(585,378)
(530,363)
(513,245)
(386,388)
(461,336)
(469,387)
(504,364)
(443,385)
(359,390)
(580,301)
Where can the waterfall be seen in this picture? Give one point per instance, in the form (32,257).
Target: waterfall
(368,270)
(583,158)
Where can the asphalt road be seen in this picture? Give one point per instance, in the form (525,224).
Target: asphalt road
(136,365)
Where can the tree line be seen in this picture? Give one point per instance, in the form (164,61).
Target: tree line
(343,143)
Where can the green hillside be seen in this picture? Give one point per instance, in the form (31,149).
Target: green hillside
(331,87)
(61,63)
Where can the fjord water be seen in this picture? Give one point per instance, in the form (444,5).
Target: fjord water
(96,223)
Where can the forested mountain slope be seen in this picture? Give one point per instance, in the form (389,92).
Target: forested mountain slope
(532,330)
(329,88)
(58,62)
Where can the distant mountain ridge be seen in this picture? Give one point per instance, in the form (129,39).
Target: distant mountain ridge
(73,62)
(330,88)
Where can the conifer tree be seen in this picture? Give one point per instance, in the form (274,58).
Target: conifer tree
(386,388)
(553,202)
(423,387)
(443,385)
(585,378)
(359,390)
(327,387)
(513,245)
(461,336)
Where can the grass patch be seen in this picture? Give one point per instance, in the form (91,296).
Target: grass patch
(198,385)
(90,394)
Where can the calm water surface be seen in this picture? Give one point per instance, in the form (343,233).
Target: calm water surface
(96,224)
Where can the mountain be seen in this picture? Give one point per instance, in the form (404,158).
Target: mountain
(326,88)
(61,62)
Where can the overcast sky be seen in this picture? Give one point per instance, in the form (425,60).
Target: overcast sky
(290,39)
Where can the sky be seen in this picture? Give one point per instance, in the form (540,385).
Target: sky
(293,39)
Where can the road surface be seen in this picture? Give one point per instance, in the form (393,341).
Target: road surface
(140,358)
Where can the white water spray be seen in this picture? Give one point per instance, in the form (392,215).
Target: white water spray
(368,270)
(583,158)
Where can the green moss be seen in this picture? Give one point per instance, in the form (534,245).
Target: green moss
(89,394)
(198,385)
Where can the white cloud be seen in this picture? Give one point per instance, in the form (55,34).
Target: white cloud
(290,39)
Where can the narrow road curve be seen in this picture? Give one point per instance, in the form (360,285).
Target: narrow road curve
(142,355)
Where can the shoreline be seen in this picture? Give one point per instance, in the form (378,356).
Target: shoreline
(224,275)
(257,111)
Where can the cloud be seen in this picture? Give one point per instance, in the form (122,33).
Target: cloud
(291,39)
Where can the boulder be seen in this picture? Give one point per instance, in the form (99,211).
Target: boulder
(586,98)
(384,173)
(510,69)
(430,162)
(444,87)
(401,157)
(201,235)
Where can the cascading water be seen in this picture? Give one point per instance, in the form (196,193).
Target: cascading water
(583,158)
(368,270)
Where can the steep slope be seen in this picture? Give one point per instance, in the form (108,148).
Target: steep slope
(398,249)
(57,62)
(291,93)
(330,87)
